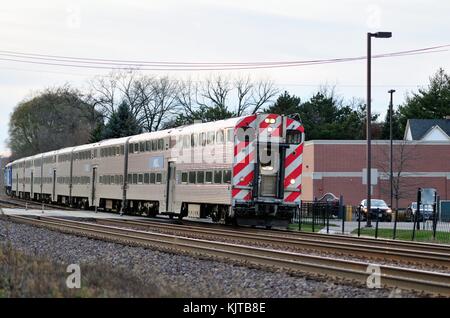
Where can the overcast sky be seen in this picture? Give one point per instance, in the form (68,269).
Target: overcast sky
(226,31)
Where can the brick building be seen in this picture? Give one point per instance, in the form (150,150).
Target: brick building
(339,167)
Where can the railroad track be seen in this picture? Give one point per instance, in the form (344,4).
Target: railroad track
(410,279)
(18,203)
(405,253)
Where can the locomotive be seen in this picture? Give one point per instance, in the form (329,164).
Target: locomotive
(245,170)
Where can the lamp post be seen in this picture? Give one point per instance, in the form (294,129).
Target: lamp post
(369,116)
(391,176)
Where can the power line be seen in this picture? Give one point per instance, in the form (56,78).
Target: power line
(94,63)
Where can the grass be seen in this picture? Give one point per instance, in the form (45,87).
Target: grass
(421,235)
(29,276)
(307,227)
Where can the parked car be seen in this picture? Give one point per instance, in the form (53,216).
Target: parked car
(376,206)
(426,211)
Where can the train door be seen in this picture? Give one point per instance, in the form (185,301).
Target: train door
(31,185)
(94,186)
(171,173)
(269,169)
(54,186)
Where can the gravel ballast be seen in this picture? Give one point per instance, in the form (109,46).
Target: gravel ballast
(178,275)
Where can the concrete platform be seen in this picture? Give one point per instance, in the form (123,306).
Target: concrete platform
(88,215)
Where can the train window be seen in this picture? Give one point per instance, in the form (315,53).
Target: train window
(160,144)
(220,136)
(293,136)
(154,145)
(148,145)
(158,178)
(95,153)
(101,179)
(136,147)
(118,151)
(146,178)
(102,152)
(211,136)
(186,141)
(191,176)
(135,178)
(114,151)
(200,176)
(152,178)
(202,139)
(194,140)
(130,178)
(184,177)
(218,176)
(227,176)
(208,176)
(122,150)
(130,148)
(116,179)
(140,178)
(230,135)
(142,146)
(121,179)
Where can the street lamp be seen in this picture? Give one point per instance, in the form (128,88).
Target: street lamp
(392,91)
(369,116)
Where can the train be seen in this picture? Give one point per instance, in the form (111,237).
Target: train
(245,170)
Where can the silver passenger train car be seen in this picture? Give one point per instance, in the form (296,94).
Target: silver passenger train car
(244,170)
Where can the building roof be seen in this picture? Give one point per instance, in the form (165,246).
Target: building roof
(420,127)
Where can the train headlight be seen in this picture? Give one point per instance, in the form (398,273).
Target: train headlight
(292,181)
(272,120)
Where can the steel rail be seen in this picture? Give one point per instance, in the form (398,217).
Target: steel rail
(383,251)
(410,279)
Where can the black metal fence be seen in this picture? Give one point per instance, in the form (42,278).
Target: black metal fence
(334,217)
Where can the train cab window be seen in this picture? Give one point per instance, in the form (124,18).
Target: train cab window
(146,178)
(148,145)
(219,136)
(136,147)
(142,147)
(140,178)
(135,178)
(191,176)
(230,135)
(200,177)
(160,144)
(194,140)
(211,136)
(158,178)
(202,139)
(218,176)
(208,176)
(184,177)
(227,176)
(293,136)
(154,145)
(152,178)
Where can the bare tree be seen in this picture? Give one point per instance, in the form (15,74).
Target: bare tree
(214,92)
(404,154)
(264,92)
(159,100)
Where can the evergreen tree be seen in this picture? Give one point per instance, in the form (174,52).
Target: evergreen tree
(430,103)
(285,105)
(396,129)
(122,124)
